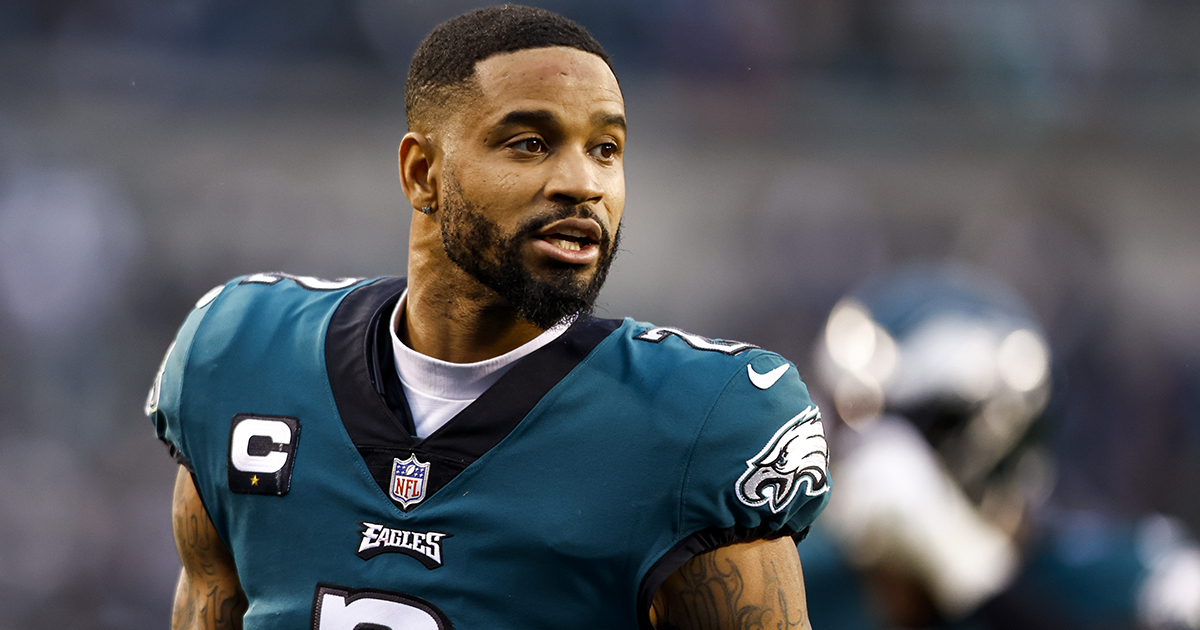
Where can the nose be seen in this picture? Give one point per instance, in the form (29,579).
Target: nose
(574,179)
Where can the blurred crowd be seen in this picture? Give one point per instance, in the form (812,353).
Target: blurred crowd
(781,154)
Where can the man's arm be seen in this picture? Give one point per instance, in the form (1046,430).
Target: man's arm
(208,596)
(754,585)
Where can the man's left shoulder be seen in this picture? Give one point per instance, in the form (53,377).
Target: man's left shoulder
(759,457)
(708,361)
(674,339)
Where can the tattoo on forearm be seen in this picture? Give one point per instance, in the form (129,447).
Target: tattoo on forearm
(195,542)
(713,596)
(206,598)
(219,609)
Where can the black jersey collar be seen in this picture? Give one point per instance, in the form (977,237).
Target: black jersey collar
(376,415)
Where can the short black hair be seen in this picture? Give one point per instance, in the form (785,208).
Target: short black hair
(445,61)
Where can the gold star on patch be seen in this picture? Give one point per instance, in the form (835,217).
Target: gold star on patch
(254,480)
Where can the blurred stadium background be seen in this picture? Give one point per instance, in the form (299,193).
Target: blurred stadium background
(780,153)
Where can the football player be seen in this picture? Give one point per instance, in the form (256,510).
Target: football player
(944,517)
(467,447)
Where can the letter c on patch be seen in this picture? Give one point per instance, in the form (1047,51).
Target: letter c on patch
(273,460)
(262,451)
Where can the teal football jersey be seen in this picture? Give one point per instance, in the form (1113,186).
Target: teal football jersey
(561,498)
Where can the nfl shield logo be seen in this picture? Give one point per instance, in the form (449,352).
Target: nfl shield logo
(408,481)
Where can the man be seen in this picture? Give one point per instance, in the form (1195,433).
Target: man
(467,448)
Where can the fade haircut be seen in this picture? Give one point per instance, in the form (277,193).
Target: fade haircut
(443,68)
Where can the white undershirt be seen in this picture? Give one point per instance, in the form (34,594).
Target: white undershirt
(437,390)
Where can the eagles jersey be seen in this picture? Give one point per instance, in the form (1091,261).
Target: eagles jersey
(562,497)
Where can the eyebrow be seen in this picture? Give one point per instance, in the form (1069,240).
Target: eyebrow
(528,117)
(536,117)
(603,119)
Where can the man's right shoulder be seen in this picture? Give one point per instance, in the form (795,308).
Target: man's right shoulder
(277,286)
(266,298)
(254,306)
(266,304)
(238,327)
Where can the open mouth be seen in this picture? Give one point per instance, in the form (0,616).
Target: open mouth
(573,241)
(569,239)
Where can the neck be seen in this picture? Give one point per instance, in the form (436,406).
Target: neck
(450,316)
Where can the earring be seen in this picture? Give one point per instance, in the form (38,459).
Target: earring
(426,210)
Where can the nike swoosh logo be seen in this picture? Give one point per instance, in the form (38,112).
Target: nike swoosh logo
(765,381)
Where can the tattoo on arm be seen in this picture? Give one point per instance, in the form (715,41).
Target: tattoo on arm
(711,591)
(208,596)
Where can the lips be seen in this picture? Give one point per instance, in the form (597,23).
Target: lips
(573,241)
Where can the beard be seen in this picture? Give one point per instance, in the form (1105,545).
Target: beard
(479,247)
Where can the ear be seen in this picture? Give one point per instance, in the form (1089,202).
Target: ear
(420,169)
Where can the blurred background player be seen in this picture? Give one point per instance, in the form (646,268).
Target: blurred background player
(943,517)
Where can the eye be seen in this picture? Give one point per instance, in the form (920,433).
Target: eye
(529,145)
(604,151)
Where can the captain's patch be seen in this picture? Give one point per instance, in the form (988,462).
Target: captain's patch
(426,547)
(409,480)
(797,453)
(262,450)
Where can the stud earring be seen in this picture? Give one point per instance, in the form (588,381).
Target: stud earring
(426,210)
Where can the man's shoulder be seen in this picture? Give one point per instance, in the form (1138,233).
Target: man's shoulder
(266,299)
(755,446)
(677,340)
(250,326)
(280,287)
(674,349)
(259,312)
(681,370)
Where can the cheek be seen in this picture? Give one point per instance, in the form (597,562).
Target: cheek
(488,185)
(615,196)
(507,184)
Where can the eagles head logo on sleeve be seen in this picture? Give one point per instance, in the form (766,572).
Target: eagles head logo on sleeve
(797,453)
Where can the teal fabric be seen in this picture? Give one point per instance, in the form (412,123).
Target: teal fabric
(638,447)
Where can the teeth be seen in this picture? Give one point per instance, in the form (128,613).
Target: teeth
(574,233)
(564,244)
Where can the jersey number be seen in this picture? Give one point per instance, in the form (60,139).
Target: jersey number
(340,608)
(308,282)
(657,335)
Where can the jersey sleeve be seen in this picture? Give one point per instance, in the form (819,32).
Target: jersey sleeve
(759,468)
(163,402)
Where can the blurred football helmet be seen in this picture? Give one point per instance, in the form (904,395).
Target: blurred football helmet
(941,374)
(956,354)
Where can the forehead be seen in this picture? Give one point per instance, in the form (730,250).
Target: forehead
(564,80)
